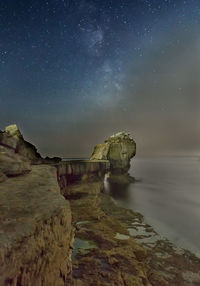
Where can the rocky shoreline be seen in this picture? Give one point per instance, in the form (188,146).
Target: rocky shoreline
(58,227)
(116,247)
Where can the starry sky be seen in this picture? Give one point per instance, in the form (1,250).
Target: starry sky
(73,73)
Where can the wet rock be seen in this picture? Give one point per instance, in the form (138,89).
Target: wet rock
(118,149)
(112,256)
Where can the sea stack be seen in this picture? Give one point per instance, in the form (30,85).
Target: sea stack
(118,149)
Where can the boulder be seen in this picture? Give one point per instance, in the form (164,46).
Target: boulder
(118,149)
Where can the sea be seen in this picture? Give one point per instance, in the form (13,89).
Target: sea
(166,192)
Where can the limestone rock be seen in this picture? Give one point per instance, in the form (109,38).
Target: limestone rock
(12,164)
(7,140)
(35,230)
(13,138)
(77,170)
(100,152)
(13,131)
(118,149)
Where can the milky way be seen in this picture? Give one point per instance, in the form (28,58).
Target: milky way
(74,72)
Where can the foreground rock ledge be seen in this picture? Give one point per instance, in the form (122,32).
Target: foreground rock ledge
(35,230)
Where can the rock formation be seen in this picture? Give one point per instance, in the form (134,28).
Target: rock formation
(80,170)
(35,230)
(12,138)
(12,164)
(118,149)
(35,219)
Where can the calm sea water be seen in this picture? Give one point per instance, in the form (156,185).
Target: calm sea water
(167,193)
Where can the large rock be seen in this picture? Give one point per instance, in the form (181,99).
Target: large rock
(12,164)
(7,140)
(12,138)
(35,230)
(118,149)
(13,131)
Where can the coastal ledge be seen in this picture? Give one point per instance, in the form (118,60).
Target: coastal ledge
(35,218)
(71,171)
(35,230)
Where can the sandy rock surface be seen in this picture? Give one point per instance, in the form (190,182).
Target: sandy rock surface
(35,230)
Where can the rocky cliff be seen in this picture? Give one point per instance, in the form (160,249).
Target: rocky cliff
(80,170)
(118,149)
(35,230)
(36,233)
(12,164)
(13,139)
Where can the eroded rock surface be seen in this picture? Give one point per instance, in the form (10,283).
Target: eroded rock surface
(80,170)
(12,138)
(11,163)
(118,149)
(35,230)
(114,245)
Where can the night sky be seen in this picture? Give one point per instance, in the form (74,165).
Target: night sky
(74,72)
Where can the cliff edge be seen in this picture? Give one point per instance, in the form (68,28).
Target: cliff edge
(36,232)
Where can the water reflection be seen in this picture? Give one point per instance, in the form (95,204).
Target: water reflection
(119,191)
(168,195)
